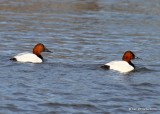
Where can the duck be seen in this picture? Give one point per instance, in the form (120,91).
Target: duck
(34,57)
(123,66)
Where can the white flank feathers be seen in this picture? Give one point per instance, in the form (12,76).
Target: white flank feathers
(28,57)
(121,66)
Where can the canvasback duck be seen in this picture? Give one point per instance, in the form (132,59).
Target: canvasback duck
(34,57)
(123,66)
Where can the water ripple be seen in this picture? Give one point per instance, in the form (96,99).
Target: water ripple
(83,35)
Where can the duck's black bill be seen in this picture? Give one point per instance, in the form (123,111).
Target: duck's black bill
(47,50)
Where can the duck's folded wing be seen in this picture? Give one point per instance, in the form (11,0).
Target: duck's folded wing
(121,66)
(28,57)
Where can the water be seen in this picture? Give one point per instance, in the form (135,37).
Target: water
(83,35)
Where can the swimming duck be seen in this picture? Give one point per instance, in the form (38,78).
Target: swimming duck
(34,57)
(123,66)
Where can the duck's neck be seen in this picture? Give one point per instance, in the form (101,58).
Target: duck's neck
(131,64)
(40,56)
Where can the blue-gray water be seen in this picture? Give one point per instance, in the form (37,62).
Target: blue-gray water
(83,35)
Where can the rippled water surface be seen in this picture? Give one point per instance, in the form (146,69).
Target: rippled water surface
(83,35)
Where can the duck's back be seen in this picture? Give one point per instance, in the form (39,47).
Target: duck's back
(28,57)
(121,66)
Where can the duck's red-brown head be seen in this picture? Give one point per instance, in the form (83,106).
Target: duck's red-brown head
(39,48)
(128,56)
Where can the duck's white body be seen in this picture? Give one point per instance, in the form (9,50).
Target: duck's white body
(28,57)
(121,66)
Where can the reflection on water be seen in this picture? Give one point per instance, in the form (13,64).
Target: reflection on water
(49,6)
(83,35)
